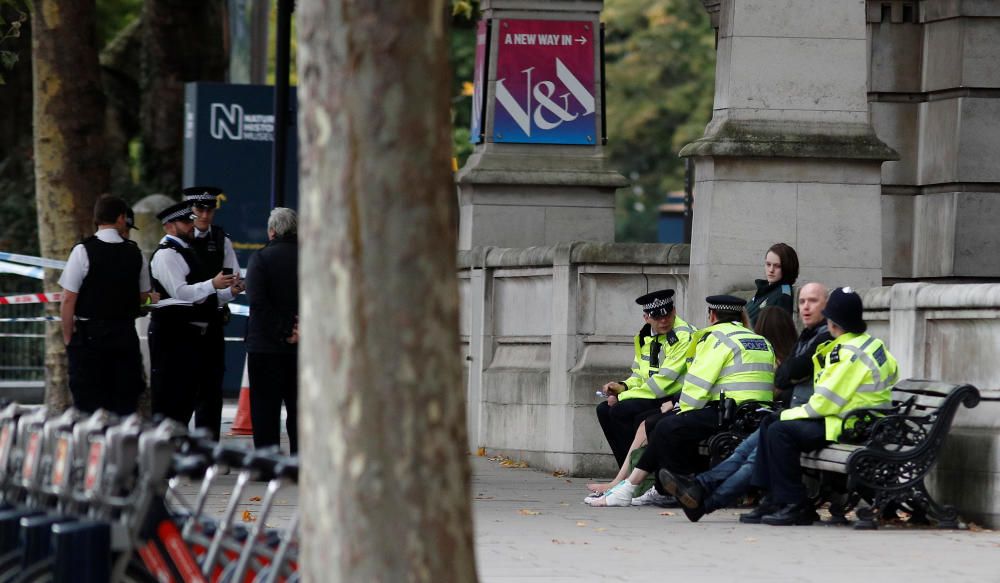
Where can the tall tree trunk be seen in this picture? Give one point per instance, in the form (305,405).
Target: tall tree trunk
(385,485)
(71,167)
(182,41)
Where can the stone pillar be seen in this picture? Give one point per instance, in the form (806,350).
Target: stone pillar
(789,155)
(519,195)
(934,97)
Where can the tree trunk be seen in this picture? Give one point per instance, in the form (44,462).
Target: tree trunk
(182,41)
(385,481)
(71,167)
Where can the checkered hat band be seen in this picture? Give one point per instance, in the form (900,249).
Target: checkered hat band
(200,197)
(184,212)
(658,303)
(725,307)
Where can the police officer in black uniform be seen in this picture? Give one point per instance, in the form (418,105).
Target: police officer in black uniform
(104,282)
(185,332)
(214,249)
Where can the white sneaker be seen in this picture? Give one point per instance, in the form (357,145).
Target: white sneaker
(620,495)
(653,498)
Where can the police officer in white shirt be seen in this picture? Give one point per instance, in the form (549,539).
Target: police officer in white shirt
(104,282)
(185,333)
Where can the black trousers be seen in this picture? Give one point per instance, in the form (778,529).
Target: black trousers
(674,443)
(621,421)
(105,366)
(778,469)
(273,380)
(188,363)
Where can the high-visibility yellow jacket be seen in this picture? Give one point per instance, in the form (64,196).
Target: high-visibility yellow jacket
(729,360)
(852,371)
(659,377)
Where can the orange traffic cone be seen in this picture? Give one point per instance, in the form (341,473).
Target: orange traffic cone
(242,424)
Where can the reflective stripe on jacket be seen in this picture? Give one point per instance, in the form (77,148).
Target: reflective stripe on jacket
(663,378)
(730,360)
(853,371)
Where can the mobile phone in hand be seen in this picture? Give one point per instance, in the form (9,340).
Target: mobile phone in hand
(227,271)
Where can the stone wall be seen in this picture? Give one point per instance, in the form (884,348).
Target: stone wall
(543,328)
(951,332)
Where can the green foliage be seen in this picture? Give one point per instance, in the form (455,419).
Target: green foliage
(13,18)
(113,16)
(462,56)
(660,65)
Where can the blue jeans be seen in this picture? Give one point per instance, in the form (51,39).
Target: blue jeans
(729,480)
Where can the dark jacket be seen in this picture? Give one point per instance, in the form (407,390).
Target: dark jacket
(273,288)
(795,375)
(769,294)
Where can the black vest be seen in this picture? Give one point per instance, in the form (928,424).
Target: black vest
(211,250)
(110,290)
(197,271)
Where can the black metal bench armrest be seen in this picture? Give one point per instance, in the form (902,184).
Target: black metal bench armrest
(859,425)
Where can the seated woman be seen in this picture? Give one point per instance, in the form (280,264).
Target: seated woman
(647,425)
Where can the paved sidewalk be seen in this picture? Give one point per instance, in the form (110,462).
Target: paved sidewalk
(532,526)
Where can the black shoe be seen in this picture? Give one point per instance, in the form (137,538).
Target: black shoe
(764,508)
(687,490)
(801,514)
(694,514)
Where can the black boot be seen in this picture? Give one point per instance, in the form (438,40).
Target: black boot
(687,490)
(801,513)
(764,507)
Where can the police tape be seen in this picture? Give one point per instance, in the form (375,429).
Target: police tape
(25,270)
(32,299)
(31,260)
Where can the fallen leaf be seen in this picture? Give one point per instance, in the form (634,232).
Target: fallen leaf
(559,473)
(526,512)
(557,541)
(509,463)
(601,529)
(564,503)
(481,452)
(569,481)
(483,498)
(249,516)
(255,498)
(581,523)
(666,513)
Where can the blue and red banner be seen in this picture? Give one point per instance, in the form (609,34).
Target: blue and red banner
(545,88)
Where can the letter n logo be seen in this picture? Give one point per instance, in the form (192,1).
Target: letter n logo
(226,122)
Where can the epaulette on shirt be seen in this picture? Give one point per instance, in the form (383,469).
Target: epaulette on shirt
(834,357)
(672,338)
